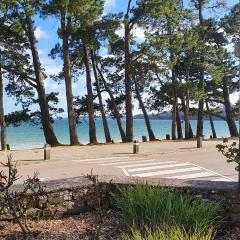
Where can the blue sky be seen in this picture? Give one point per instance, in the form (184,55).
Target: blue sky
(47,38)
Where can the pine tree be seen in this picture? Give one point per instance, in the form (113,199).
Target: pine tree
(19,36)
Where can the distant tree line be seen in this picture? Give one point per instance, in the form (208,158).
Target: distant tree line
(183,63)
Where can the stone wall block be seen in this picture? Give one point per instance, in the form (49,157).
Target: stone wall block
(55,198)
(78,195)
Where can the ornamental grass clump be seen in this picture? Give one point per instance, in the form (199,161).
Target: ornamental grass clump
(175,233)
(143,205)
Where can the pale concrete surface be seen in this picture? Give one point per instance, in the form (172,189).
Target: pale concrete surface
(117,159)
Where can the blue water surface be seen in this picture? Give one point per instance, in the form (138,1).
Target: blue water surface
(29,136)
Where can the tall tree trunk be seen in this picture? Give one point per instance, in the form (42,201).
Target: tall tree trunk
(45,115)
(200,118)
(191,135)
(92,125)
(174,106)
(201,77)
(174,123)
(188,134)
(102,110)
(115,109)
(228,109)
(179,124)
(185,107)
(146,118)
(2,118)
(174,95)
(65,28)
(128,85)
(214,135)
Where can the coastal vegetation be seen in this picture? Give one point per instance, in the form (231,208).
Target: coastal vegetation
(184,63)
(135,212)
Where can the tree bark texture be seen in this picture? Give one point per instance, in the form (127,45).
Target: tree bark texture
(72,123)
(146,117)
(44,108)
(2,118)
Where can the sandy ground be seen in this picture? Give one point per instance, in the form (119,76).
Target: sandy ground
(67,161)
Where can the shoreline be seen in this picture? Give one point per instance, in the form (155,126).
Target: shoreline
(31,137)
(62,146)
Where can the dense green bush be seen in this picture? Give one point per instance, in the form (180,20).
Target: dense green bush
(173,234)
(143,205)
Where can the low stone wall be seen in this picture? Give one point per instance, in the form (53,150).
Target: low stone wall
(78,195)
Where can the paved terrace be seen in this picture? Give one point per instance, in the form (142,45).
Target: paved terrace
(166,159)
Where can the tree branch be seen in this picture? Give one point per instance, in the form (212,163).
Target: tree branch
(159,79)
(30,83)
(215,100)
(218,116)
(128,8)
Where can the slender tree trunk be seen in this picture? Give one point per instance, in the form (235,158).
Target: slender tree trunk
(45,115)
(115,109)
(214,135)
(128,85)
(185,107)
(191,135)
(201,77)
(92,125)
(179,124)
(2,118)
(65,28)
(102,110)
(200,118)
(174,107)
(174,123)
(228,109)
(146,118)
(174,95)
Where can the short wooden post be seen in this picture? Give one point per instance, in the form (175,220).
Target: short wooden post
(225,140)
(8,147)
(167,136)
(144,138)
(135,147)
(47,152)
(199,142)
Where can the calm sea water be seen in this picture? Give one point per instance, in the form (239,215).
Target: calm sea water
(28,136)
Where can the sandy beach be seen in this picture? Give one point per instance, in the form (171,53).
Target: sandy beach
(112,150)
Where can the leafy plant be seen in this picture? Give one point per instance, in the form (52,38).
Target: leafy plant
(14,205)
(175,233)
(143,205)
(232,153)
